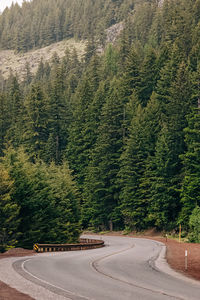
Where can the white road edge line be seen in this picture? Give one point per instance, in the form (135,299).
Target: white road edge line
(47,283)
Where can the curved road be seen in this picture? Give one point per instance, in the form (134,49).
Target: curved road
(123,270)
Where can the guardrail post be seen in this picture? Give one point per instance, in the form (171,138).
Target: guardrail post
(83,245)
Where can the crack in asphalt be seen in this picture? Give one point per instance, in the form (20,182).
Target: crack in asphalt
(95,265)
(19,267)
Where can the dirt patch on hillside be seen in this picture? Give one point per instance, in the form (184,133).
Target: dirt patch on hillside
(17,62)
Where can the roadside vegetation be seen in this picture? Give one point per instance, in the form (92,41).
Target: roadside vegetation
(110,140)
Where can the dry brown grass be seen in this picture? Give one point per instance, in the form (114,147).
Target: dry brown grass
(16,62)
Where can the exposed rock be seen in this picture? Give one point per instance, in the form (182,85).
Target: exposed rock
(16,62)
(113,32)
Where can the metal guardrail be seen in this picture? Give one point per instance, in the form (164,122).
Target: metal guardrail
(84,244)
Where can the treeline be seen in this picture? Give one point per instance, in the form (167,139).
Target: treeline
(127,123)
(38,24)
(38,203)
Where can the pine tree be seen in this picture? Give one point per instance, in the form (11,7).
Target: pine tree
(131,76)
(132,167)
(35,135)
(49,209)
(15,112)
(4,121)
(133,176)
(101,187)
(58,115)
(167,166)
(190,196)
(167,76)
(148,77)
(66,201)
(90,49)
(81,132)
(110,62)
(9,211)
(164,202)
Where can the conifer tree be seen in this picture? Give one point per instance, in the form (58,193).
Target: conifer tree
(15,111)
(9,211)
(132,166)
(167,166)
(165,183)
(133,178)
(131,79)
(102,191)
(190,196)
(190,159)
(4,121)
(65,196)
(81,132)
(77,151)
(47,196)
(35,135)
(148,77)
(58,115)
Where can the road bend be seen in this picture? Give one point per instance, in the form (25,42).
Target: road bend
(122,270)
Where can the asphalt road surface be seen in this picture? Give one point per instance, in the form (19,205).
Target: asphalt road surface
(122,270)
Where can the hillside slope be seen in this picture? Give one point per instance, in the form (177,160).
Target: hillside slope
(41,23)
(16,62)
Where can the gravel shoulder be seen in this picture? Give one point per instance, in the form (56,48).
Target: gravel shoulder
(175,256)
(6,292)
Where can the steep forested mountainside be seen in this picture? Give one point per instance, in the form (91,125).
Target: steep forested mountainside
(40,23)
(109,139)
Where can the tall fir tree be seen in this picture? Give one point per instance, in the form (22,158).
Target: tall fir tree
(58,109)
(133,178)
(101,187)
(35,135)
(9,212)
(4,121)
(15,111)
(190,196)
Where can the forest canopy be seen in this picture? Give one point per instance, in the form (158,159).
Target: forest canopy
(113,138)
(40,23)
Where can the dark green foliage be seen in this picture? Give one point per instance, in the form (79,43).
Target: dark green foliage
(35,135)
(132,167)
(165,183)
(9,211)
(37,24)
(134,175)
(190,188)
(166,164)
(15,108)
(148,77)
(47,198)
(122,118)
(4,121)
(194,223)
(78,145)
(101,188)
(58,112)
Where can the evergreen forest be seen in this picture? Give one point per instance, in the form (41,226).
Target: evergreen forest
(111,140)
